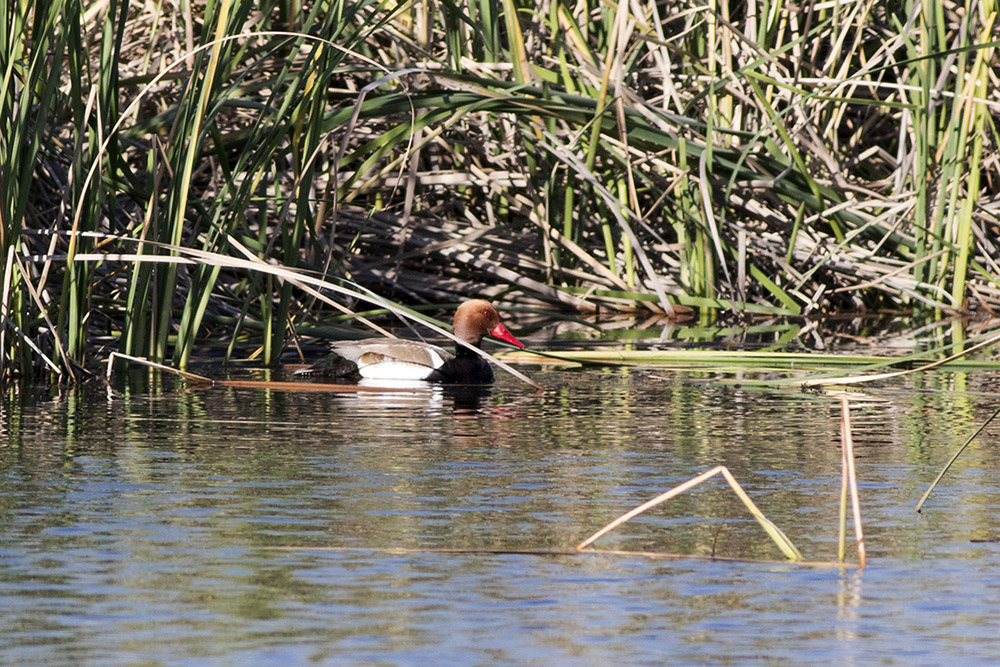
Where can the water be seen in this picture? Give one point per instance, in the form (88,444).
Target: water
(163,525)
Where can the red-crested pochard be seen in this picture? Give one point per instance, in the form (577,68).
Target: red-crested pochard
(392,359)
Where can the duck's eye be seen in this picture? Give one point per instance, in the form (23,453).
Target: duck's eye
(486,313)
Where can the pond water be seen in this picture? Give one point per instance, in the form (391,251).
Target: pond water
(164,525)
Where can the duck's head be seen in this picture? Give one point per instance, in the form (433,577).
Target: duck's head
(477,318)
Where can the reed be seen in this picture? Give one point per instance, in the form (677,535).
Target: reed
(775,533)
(778,158)
(849,487)
(825,369)
(954,457)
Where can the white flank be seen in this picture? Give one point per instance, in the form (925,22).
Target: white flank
(395,370)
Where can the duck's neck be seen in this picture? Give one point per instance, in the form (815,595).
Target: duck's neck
(465,351)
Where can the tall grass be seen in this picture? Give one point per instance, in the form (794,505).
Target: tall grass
(729,157)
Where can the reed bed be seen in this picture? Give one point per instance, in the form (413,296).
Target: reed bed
(731,158)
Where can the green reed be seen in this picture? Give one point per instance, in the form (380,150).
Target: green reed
(755,158)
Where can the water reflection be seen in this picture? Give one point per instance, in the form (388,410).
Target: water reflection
(167,523)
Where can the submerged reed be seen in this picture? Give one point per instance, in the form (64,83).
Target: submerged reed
(730,157)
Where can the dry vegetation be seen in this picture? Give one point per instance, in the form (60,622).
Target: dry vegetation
(746,157)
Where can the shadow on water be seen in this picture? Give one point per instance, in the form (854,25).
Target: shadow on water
(163,522)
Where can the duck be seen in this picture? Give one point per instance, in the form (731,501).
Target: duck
(397,359)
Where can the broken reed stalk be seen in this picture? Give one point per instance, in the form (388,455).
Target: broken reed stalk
(954,458)
(849,483)
(786,546)
(152,364)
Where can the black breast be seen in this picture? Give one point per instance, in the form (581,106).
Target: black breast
(468,368)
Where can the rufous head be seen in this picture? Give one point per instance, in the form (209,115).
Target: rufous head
(477,318)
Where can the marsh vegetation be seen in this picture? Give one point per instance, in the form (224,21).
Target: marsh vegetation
(730,158)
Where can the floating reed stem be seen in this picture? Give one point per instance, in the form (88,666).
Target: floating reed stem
(786,546)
